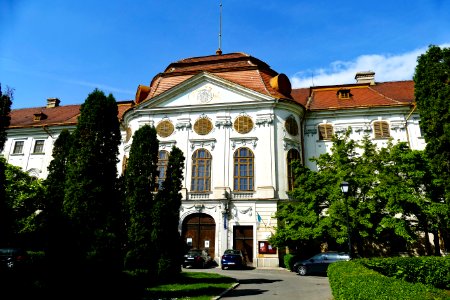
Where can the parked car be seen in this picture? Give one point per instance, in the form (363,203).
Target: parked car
(197,258)
(11,258)
(319,262)
(233,259)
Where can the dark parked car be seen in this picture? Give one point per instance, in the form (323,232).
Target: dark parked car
(11,258)
(319,262)
(197,258)
(233,259)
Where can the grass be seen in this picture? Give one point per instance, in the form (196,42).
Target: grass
(191,285)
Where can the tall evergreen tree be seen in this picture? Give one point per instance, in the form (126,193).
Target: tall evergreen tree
(140,175)
(166,218)
(91,203)
(432,93)
(56,226)
(5,214)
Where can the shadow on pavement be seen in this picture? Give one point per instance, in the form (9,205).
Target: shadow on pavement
(257,281)
(244,292)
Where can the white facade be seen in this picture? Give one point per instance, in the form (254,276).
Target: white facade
(222,102)
(268,140)
(403,127)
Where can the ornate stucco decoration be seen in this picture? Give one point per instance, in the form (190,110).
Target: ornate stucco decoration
(397,126)
(244,141)
(290,143)
(146,122)
(167,144)
(224,122)
(183,123)
(264,119)
(201,143)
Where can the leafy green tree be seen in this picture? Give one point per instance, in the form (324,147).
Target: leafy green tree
(140,175)
(5,215)
(432,93)
(166,218)
(24,200)
(386,202)
(91,202)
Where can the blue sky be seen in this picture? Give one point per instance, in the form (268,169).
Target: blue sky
(66,49)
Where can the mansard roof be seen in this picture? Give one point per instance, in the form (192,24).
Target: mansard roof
(53,116)
(359,95)
(238,68)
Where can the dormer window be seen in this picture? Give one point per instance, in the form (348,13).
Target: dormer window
(344,94)
(40,116)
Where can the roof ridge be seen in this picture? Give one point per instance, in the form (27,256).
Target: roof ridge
(383,95)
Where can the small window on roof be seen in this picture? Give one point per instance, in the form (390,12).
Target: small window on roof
(40,116)
(344,94)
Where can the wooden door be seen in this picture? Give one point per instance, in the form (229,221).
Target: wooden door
(243,240)
(199,230)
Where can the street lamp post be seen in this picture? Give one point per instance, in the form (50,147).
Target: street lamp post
(344,189)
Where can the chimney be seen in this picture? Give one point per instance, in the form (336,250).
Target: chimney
(53,102)
(365,77)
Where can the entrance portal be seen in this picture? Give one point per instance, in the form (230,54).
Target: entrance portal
(243,240)
(199,231)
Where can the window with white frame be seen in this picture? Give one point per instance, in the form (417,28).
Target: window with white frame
(38,147)
(243,169)
(201,171)
(18,147)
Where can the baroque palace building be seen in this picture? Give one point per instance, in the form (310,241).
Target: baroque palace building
(239,124)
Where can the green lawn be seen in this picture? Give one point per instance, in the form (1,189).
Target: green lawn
(191,285)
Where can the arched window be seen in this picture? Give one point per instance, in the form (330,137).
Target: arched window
(292,155)
(201,171)
(163,161)
(381,129)
(243,170)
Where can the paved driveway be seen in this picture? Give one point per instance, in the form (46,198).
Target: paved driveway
(275,284)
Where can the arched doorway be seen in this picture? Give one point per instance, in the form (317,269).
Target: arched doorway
(199,231)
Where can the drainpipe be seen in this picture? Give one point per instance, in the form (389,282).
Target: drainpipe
(406,122)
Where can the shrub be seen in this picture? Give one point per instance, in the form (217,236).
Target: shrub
(431,270)
(289,261)
(352,280)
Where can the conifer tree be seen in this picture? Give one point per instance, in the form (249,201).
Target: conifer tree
(432,93)
(166,218)
(91,203)
(140,175)
(56,225)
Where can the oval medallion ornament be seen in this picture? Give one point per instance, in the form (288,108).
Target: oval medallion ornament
(204,95)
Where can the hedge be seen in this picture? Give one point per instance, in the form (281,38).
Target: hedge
(352,280)
(431,270)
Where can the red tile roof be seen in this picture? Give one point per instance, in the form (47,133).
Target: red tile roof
(54,116)
(239,68)
(396,93)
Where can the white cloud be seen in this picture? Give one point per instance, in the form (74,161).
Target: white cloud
(387,67)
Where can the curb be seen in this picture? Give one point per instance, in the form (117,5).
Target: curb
(226,291)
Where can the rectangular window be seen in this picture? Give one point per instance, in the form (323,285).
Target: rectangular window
(381,129)
(18,147)
(325,131)
(38,146)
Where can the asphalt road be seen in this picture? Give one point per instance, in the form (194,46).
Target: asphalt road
(274,284)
